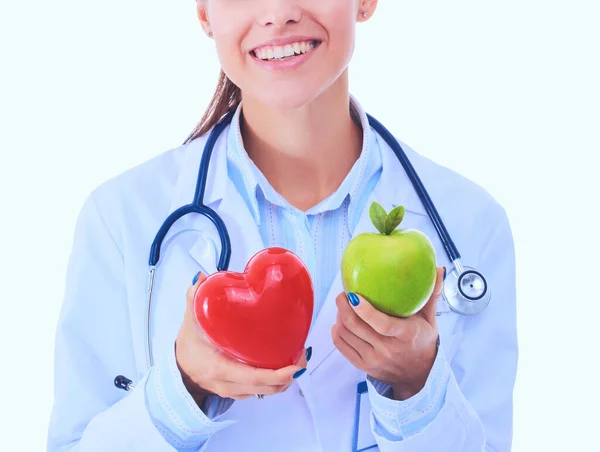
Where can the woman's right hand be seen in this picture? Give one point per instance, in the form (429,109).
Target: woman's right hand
(206,370)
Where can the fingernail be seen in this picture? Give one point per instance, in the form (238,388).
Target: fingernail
(300,372)
(308,354)
(353,299)
(195,280)
(444,273)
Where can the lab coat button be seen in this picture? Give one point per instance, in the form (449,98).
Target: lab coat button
(300,392)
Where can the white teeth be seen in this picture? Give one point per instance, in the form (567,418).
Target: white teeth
(288,50)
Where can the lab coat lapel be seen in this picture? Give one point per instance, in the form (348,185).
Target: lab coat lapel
(394,188)
(222,196)
(320,334)
(244,236)
(183,193)
(243,233)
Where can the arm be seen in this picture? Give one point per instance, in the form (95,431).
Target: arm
(176,414)
(93,345)
(476,414)
(396,420)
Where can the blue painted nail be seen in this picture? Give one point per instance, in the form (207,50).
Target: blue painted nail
(195,280)
(308,354)
(300,372)
(353,299)
(444,273)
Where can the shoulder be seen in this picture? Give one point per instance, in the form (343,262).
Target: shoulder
(470,213)
(140,197)
(452,190)
(152,180)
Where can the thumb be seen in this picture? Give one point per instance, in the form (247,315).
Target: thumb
(189,316)
(429,310)
(199,278)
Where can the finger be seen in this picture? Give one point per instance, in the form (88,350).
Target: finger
(345,349)
(383,324)
(191,291)
(302,360)
(354,323)
(189,315)
(239,390)
(230,390)
(243,397)
(237,372)
(429,310)
(362,347)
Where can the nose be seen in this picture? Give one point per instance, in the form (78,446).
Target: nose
(279,13)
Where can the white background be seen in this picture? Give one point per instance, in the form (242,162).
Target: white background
(506,93)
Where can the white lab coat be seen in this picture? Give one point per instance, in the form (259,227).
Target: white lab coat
(102,323)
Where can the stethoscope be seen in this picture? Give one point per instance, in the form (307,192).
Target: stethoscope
(465,289)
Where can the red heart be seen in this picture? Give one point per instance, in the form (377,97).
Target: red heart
(261,316)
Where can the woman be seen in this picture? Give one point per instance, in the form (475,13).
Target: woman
(297,167)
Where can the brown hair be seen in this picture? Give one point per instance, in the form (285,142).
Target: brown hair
(226,98)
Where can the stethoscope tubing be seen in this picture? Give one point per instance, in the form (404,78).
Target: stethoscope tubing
(197,206)
(447,241)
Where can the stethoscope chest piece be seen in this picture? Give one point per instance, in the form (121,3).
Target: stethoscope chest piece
(466,293)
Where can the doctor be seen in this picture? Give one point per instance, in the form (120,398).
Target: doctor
(297,167)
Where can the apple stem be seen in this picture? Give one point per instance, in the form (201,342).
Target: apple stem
(384,222)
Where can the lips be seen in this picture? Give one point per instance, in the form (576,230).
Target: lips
(284,51)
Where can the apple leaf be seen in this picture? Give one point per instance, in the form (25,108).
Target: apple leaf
(393,219)
(378,215)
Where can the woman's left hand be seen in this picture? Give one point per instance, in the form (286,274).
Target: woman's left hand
(397,351)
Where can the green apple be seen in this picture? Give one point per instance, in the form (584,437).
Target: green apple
(394,269)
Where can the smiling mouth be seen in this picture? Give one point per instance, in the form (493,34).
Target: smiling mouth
(279,53)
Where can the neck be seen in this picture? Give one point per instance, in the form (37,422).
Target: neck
(304,153)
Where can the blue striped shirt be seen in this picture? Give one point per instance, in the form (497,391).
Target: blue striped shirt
(318,236)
